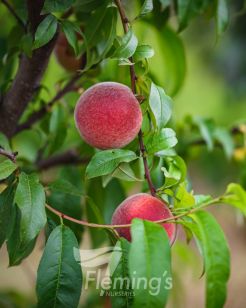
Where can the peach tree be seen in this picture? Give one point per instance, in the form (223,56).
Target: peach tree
(68,171)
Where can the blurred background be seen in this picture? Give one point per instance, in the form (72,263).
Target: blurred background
(206,78)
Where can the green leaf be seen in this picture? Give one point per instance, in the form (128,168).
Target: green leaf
(216,256)
(17,250)
(146,8)
(150,259)
(143,52)
(70,30)
(222,16)
(123,172)
(30,198)
(225,139)
(174,171)
(165,139)
(105,162)
(57,129)
(120,275)
(160,105)
(236,196)
(90,5)
(4,142)
(128,46)
(65,187)
(59,278)
(100,32)
(184,13)
(45,31)
(7,167)
(67,200)
(206,127)
(6,210)
(51,6)
(183,198)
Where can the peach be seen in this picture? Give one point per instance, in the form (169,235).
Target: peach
(65,55)
(146,207)
(108,115)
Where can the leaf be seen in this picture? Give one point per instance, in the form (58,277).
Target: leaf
(51,6)
(143,52)
(59,278)
(30,198)
(90,5)
(45,31)
(206,127)
(150,258)
(65,187)
(119,272)
(57,129)
(70,31)
(105,162)
(174,169)
(146,8)
(225,139)
(4,142)
(128,46)
(236,196)
(160,105)
(68,200)
(6,210)
(100,32)
(168,67)
(17,250)
(184,12)
(222,16)
(165,139)
(183,198)
(216,256)
(123,172)
(7,167)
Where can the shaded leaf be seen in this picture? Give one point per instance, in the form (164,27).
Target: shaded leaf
(160,105)
(45,31)
(150,241)
(128,46)
(59,278)
(7,167)
(105,162)
(165,139)
(216,256)
(30,198)
(51,6)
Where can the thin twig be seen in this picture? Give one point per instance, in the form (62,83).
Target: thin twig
(12,11)
(38,115)
(112,227)
(10,155)
(125,23)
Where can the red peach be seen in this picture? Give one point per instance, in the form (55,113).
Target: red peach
(146,207)
(65,54)
(108,115)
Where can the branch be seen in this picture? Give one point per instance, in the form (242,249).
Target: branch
(12,11)
(70,157)
(28,76)
(113,227)
(9,155)
(38,115)
(125,23)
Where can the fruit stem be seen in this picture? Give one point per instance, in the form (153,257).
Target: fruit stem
(125,24)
